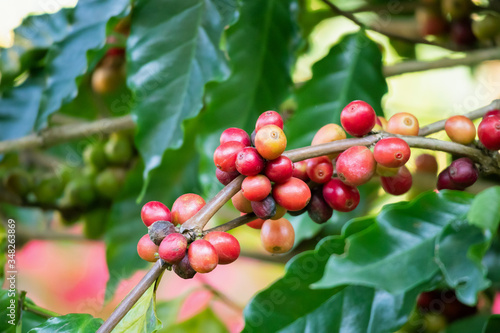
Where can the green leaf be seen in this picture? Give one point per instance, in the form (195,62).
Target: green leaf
(492,325)
(462,267)
(142,316)
(261,47)
(352,70)
(205,321)
(71,323)
(173,53)
(492,262)
(468,325)
(485,210)
(400,243)
(168,311)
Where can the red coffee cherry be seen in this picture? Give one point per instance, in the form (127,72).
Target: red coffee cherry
(444,181)
(256,188)
(185,207)
(225,177)
(320,173)
(460,129)
(488,132)
(269,118)
(255,224)
(461,32)
(264,209)
(392,152)
(249,162)
(202,256)
(292,195)
(154,211)
(183,269)
(358,118)
(235,134)
(495,112)
(226,246)
(430,21)
(173,248)
(270,142)
(463,172)
(329,133)
(225,155)
(300,170)
(318,209)
(356,166)
(398,184)
(241,203)
(403,123)
(147,249)
(426,163)
(340,196)
(279,170)
(277,236)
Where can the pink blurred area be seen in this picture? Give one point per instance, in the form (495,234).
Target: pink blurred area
(69,277)
(495,309)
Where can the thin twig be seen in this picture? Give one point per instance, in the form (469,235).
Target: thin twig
(222,297)
(239,221)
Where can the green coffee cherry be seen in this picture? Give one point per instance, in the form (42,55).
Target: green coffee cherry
(18,181)
(488,27)
(108,182)
(118,149)
(94,155)
(94,223)
(48,190)
(80,192)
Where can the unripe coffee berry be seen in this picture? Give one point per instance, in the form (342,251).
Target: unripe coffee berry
(249,162)
(202,256)
(277,236)
(488,132)
(385,171)
(264,209)
(269,118)
(292,195)
(460,129)
(403,123)
(185,207)
(173,248)
(270,142)
(279,170)
(300,170)
(280,212)
(241,203)
(225,155)
(398,184)
(226,245)
(358,118)
(235,134)
(463,172)
(426,163)
(356,166)
(154,211)
(329,133)
(392,152)
(147,249)
(256,188)
(340,196)
(380,124)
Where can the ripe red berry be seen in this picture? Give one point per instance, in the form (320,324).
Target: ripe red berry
(183,269)
(225,177)
(255,224)
(264,209)
(463,172)
(279,170)
(185,207)
(249,162)
(225,155)
(202,256)
(356,166)
(235,134)
(154,211)
(488,132)
(173,248)
(300,170)
(444,181)
(147,249)
(269,118)
(392,152)
(403,123)
(460,129)
(461,32)
(318,209)
(277,236)
(256,188)
(358,118)
(241,203)
(226,245)
(270,142)
(340,196)
(321,173)
(495,112)
(398,184)
(426,163)
(292,195)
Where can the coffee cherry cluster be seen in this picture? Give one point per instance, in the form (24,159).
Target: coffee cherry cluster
(270,188)
(164,240)
(454,19)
